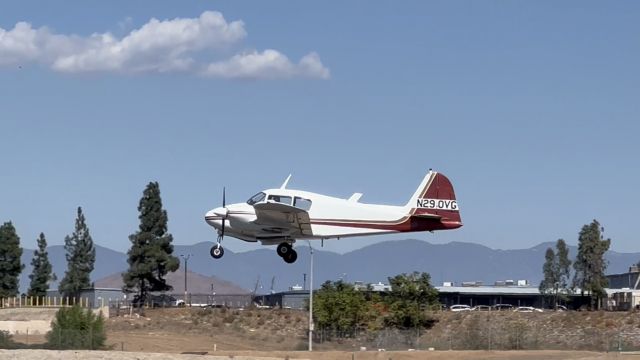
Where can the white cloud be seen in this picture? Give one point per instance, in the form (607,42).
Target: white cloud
(157,46)
(269,64)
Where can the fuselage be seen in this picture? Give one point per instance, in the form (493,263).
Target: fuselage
(330,217)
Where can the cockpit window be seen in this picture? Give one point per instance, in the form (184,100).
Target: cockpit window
(280,199)
(300,203)
(256,198)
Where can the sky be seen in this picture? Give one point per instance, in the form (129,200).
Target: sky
(530,108)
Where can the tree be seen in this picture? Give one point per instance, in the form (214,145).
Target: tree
(557,271)
(549,283)
(564,268)
(150,256)
(42,272)
(10,265)
(75,328)
(340,307)
(590,264)
(411,294)
(81,257)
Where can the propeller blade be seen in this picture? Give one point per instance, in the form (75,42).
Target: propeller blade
(222,230)
(224,200)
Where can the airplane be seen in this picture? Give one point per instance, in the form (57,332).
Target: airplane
(282,216)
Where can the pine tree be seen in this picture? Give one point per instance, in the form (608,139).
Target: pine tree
(42,271)
(150,256)
(10,265)
(81,257)
(590,264)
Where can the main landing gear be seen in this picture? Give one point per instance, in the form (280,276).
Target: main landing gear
(286,252)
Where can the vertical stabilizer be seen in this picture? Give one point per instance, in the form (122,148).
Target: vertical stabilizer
(435,198)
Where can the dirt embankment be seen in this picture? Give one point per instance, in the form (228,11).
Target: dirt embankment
(506,330)
(177,330)
(330,355)
(184,329)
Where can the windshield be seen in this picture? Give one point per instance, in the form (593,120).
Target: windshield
(256,198)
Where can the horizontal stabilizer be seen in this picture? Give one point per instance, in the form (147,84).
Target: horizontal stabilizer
(427,216)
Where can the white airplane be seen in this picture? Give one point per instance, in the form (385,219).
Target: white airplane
(282,216)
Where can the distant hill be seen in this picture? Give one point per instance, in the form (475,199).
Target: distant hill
(107,262)
(455,261)
(196,283)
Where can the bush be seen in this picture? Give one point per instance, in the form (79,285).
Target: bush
(6,340)
(75,328)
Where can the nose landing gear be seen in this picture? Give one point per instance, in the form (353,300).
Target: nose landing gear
(216,251)
(286,252)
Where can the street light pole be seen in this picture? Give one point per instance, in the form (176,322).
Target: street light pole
(311,300)
(186,263)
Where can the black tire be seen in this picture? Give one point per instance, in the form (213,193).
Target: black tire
(290,257)
(283,249)
(216,251)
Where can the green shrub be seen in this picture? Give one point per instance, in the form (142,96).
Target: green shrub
(6,340)
(75,328)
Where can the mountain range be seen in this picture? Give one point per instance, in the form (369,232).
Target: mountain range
(454,261)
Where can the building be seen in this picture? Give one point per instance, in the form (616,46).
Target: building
(94,297)
(628,280)
(490,295)
(292,299)
(624,290)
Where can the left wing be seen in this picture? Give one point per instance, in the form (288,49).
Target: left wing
(272,214)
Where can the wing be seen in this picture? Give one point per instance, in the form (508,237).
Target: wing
(282,216)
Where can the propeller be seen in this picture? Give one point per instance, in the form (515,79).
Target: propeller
(224,206)
(222,212)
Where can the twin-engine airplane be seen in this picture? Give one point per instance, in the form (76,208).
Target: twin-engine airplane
(282,216)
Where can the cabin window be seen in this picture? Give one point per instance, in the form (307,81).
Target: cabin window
(256,198)
(280,199)
(300,203)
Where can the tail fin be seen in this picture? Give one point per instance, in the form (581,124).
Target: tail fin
(435,198)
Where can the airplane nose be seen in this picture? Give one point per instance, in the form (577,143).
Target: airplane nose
(221,211)
(211,217)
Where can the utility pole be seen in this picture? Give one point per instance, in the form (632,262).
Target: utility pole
(311,299)
(186,263)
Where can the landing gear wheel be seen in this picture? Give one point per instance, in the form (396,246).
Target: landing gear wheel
(290,257)
(216,251)
(283,249)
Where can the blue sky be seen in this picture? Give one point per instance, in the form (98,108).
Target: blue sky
(530,108)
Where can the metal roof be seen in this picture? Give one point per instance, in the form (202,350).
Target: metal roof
(489,290)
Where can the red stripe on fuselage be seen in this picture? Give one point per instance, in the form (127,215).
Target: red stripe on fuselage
(411,224)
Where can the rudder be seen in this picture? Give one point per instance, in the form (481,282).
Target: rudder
(436,198)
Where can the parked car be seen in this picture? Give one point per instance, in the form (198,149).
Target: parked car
(502,307)
(527,309)
(460,308)
(481,308)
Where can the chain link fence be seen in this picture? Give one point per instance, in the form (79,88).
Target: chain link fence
(481,333)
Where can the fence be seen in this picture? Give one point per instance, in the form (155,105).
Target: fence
(128,306)
(44,301)
(484,335)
